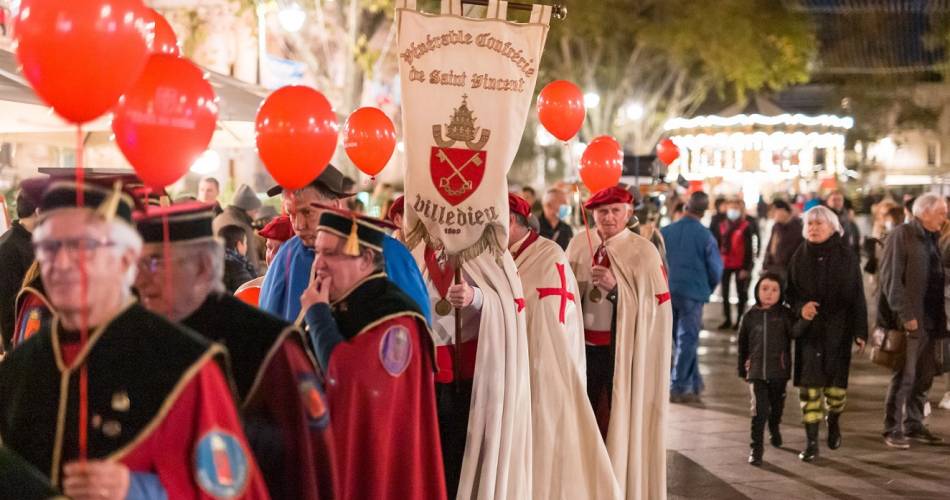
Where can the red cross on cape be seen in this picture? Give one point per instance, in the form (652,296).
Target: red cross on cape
(563,292)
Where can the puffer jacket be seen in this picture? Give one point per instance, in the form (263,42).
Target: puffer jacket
(765,337)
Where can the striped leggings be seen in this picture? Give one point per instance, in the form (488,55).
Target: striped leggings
(810,397)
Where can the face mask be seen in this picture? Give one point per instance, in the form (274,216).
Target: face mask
(733,214)
(563,212)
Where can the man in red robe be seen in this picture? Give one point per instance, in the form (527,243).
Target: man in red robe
(376,352)
(144,399)
(279,392)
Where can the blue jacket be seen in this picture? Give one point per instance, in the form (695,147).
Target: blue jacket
(695,265)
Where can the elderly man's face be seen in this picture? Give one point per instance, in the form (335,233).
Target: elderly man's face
(69,237)
(330,262)
(305,217)
(933,218)
(611,219)
(179,299)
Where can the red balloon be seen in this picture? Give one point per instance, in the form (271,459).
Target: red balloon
(561,109)
(601,164)
(166,120)
(606,138)
(162,39)
(667,151)
(80,57)
(369,138)
(296,135)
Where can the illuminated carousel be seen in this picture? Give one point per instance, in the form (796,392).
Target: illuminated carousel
(758,148)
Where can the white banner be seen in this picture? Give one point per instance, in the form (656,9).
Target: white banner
(467,86)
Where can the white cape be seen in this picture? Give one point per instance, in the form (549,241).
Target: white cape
(640,398)
(570,458)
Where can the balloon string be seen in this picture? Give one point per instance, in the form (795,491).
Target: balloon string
(590,242)
(291,197)
(166,263)
(84,313)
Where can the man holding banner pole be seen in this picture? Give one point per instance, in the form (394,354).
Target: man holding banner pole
(467,86)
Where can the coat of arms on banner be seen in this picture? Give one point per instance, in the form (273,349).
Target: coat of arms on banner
(457,172)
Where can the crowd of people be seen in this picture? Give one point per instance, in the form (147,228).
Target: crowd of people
(193,349)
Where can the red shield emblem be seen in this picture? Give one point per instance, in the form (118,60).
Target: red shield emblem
(456,173)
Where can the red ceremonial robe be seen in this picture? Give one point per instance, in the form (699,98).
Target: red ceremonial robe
(381,392)
(157,401)
(279,394)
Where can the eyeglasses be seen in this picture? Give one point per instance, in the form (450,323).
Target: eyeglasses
(153,264)
(47,250)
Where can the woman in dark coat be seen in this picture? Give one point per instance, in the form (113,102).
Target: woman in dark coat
(825,288)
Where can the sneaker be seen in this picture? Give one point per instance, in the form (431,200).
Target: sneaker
(924,436)
(897,441)
(726,325)
(945,402)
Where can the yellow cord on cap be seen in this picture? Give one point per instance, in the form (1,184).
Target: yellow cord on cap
(110,205)
(352,247)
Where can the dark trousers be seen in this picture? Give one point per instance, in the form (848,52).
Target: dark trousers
(742,291)
(768,403)
(910,383)
(600,383)
(454,404)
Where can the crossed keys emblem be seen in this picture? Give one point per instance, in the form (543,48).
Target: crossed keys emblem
(448,164)
(445,182)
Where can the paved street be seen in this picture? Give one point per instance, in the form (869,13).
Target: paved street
(708,442)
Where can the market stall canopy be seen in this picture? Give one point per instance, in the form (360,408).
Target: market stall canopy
(24,113)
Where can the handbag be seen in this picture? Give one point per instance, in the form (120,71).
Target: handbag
(887,347)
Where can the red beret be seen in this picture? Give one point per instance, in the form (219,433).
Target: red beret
(518,205)
(279,228)
(609,196)
(397,208)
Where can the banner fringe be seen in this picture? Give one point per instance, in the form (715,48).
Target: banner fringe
(487,242)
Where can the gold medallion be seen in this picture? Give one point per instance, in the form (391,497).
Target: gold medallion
(595,295)
(121,402)
(443,307)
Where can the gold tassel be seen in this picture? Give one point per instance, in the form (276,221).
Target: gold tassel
(110,205)
(352,247)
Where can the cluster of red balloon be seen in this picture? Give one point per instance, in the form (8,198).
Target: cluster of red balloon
(85,58)
(561,111)
(297,133)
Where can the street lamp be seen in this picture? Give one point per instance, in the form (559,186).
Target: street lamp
(292,17)
(208,163)
(633,111)
(591,100)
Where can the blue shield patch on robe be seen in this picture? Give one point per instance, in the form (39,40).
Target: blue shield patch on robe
(395,350)
(221,465)
(314,403)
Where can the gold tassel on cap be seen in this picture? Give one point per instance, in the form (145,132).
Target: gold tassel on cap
(352,247)
(110,205)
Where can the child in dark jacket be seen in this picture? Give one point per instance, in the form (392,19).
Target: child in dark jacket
(765,358)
